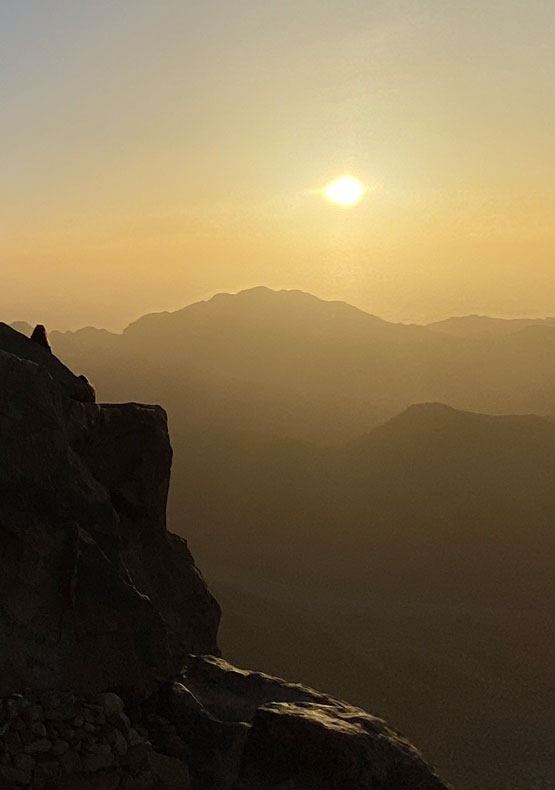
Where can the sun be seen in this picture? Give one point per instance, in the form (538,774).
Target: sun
(346,191)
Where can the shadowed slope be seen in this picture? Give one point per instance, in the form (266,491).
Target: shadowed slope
(410,571)
(469,495)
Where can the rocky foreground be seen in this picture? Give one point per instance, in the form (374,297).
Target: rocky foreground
(60,740)
(106,623)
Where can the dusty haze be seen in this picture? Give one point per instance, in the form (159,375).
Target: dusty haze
(361,400)
(373,504)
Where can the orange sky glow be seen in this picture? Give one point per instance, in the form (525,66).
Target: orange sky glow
(157,153)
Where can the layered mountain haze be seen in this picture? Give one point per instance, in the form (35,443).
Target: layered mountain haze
(287,363)
(468,495)
(300,255)
(472,325)
(340,476)
(411,568)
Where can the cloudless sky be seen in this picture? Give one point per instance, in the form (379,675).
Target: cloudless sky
(154,153)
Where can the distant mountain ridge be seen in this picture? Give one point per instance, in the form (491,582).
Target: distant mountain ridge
(291,364)
(257,302)
(393,478)
(262,296)
(23,327)
(472,325)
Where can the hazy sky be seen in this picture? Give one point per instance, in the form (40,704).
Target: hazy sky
(156,152)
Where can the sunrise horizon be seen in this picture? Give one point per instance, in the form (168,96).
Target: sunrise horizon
(33,317)
(133,176)
(277,395)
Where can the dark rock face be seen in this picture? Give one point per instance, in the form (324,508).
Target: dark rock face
(94,592)
(249,731)
(38,335)
(18,344)
(96,595)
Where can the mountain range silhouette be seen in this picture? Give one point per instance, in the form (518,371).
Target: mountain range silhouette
(373,503)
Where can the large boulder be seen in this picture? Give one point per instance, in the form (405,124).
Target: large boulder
(94,592)
(332,746)
(249,731)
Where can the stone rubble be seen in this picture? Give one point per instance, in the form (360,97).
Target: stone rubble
(60,741)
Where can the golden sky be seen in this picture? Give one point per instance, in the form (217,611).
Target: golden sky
(155,153)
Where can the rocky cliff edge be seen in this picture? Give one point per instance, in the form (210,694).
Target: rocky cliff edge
(94,592)
(97,596)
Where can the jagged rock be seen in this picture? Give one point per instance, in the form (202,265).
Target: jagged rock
(94,592)
(38,335)
(18,344)
(249,731)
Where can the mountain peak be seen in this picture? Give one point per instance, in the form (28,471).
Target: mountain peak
(294,308)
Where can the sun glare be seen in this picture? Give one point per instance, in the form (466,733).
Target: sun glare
(346,191)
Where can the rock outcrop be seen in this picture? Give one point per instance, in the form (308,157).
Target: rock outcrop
(94,592)
(38,335)
(19,345)
(249,731)
(96,597)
